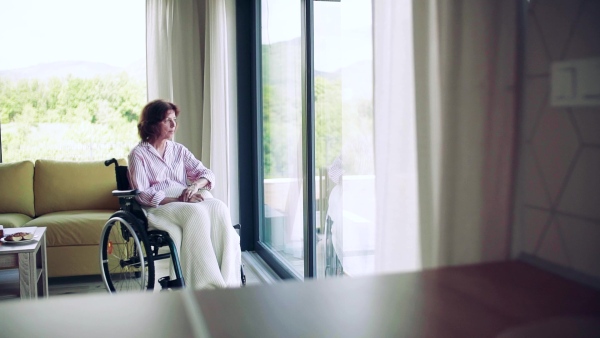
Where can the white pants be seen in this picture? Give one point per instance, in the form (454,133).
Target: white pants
(207,244)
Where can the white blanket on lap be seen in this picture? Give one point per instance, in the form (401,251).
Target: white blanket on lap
(208,246)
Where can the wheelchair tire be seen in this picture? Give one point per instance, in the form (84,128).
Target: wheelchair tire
(124,248)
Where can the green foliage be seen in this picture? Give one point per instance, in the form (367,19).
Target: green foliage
(342,128)
(70,118)
(280,129)
(328,124)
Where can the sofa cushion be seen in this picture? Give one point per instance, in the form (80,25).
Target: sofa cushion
(16,188)
(81,260)
(72,228)
(65,186)
(13,220)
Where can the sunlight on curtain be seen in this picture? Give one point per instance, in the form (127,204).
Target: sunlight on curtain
(397,234)
(191,61)
(465,99)
(217,108)
(461,95)
(174,65)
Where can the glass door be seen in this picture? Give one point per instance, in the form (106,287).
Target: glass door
(345,182)
(318,201)
(282,226)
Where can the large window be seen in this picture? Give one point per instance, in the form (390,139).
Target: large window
(282,142)
(317,147)
(72,78)
(345,191)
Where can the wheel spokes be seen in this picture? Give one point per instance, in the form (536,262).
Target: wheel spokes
(126,273)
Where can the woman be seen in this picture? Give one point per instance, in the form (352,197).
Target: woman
(208,246)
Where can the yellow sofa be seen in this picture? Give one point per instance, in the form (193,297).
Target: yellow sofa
(72,199)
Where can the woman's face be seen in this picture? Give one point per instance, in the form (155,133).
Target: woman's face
(168,126)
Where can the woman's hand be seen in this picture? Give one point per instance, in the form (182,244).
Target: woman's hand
(191,195)
(188,193)
(196,198)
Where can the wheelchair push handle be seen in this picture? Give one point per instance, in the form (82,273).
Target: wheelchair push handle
(111,161)
(120,175)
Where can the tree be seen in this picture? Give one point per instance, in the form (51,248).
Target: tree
(70,118)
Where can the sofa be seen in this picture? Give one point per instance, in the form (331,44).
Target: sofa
(73,200)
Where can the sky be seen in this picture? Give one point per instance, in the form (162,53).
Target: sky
(113,31)
(342,29)
(41,31)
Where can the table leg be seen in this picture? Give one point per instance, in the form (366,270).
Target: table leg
(44,262)
(27,272)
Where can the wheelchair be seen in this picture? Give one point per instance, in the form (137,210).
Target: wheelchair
(129,249)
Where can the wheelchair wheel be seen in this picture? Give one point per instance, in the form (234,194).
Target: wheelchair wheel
(126,257)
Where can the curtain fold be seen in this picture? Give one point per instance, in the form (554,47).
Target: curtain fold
(174,64)
(191,61)
(216,108)
(464,77)
(396,233)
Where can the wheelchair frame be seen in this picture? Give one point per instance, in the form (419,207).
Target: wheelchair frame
(127,232)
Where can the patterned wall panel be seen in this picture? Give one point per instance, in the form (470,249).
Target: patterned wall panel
(587,121)
(558,193)
(536,98)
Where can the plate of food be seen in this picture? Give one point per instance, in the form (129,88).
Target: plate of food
(18,238)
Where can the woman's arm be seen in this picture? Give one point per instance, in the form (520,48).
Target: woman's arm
(200,183)
(196,172)
(139,179)
(167,200)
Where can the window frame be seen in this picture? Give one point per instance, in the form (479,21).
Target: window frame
(249,70)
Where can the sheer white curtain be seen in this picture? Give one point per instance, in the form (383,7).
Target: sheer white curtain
(191,61)
(448,126)
(397,226)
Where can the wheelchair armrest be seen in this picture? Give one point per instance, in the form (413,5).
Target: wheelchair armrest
(126,193)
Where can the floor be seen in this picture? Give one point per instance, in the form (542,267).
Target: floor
(256,273)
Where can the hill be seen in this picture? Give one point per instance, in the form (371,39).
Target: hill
(80,69)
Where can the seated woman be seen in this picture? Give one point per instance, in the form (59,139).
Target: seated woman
(200,226)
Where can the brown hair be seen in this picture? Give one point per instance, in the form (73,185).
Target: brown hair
(152,115)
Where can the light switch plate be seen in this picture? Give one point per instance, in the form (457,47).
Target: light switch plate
(576,83)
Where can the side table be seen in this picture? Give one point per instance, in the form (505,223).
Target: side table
(23,270)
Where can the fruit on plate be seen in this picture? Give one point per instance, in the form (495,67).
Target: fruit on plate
(18,236)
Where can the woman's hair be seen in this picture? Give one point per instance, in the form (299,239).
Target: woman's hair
(152,115)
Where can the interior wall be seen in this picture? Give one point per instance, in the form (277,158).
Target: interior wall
(557,209)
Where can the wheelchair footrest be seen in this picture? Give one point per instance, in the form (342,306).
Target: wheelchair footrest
(167,283)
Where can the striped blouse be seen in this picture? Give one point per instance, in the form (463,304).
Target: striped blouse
(151,174)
